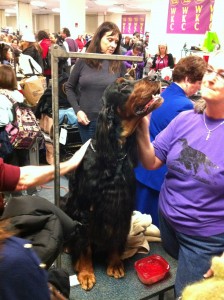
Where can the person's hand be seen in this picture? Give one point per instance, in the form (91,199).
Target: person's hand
(82,118)
(143,126)
(210,272)
(76,159)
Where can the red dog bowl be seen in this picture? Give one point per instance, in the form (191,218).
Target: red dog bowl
(151,269)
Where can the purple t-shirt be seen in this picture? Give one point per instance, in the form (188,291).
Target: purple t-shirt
(192,195)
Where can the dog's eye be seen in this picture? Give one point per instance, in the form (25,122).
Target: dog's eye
(123,87)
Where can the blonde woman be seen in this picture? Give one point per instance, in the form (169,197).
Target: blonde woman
(162,59)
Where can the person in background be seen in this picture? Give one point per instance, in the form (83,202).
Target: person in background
(30,47)
(126,44)
(147,54)
(8,86)
(162,59)
(70,46)
(52,38)
(90,77)
(187,77)
(16,47)
(146,38)
(45,43)
(6,55)
(137,50)
(191,199)
(80,41)
(135,38)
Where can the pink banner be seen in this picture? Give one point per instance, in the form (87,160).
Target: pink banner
(132,23)
(190,16)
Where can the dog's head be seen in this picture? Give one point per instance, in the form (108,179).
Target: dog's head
(131,101)
(131,74)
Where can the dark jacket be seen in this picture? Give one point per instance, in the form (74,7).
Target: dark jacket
(41,222)
(33,52)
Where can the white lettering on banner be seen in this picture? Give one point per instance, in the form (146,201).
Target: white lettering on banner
(198,8)
(196,26)
(183,26)
(171,26)
(211,8)
(183,18)
(197,17)
(173,10)
(185,10)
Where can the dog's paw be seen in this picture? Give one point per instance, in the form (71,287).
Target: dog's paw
(87,280)
(116,271)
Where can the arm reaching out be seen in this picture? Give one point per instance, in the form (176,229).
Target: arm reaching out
(145,148)
(37,175)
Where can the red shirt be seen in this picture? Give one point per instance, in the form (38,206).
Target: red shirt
(80,43)
(45,44)
(9,176)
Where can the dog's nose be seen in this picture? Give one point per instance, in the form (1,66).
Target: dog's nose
(151,78)
(127,76)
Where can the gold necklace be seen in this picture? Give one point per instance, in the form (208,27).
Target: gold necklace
(209,131)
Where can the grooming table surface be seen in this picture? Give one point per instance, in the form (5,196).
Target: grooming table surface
(129,287)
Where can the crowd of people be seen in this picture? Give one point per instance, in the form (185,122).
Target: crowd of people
(179,177)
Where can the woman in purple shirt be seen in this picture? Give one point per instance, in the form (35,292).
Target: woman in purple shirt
(192,196)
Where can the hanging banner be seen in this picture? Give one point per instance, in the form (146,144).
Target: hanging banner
(132,23)
(190,16)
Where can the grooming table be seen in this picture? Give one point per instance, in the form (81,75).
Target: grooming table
(129,287)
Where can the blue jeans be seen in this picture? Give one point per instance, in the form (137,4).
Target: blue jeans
(194,253)
(87,131)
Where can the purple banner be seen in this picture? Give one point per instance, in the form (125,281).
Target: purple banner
(190,16)
(132,23)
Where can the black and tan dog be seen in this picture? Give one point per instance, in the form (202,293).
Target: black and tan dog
(102,190)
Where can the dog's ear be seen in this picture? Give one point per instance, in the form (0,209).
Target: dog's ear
(120,80)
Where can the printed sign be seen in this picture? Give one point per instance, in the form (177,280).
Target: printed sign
(132,23)
(190,16)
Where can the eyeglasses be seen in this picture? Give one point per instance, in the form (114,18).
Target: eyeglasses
(219,75)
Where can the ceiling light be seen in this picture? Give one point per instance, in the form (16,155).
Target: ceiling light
(116,9)
(38,3)
(106,3)
(141,6)
(10,10)
(56,9)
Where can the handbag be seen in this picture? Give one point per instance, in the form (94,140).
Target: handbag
(24,129)
(33,88)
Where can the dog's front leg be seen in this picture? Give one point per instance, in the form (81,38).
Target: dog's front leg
(84,267)
(115,266)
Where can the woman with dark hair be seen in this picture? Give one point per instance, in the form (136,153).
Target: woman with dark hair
(30,47)
(137,50)
(90,77)
(6,55)
(8,84)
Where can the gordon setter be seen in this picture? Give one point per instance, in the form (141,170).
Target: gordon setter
(102,190)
